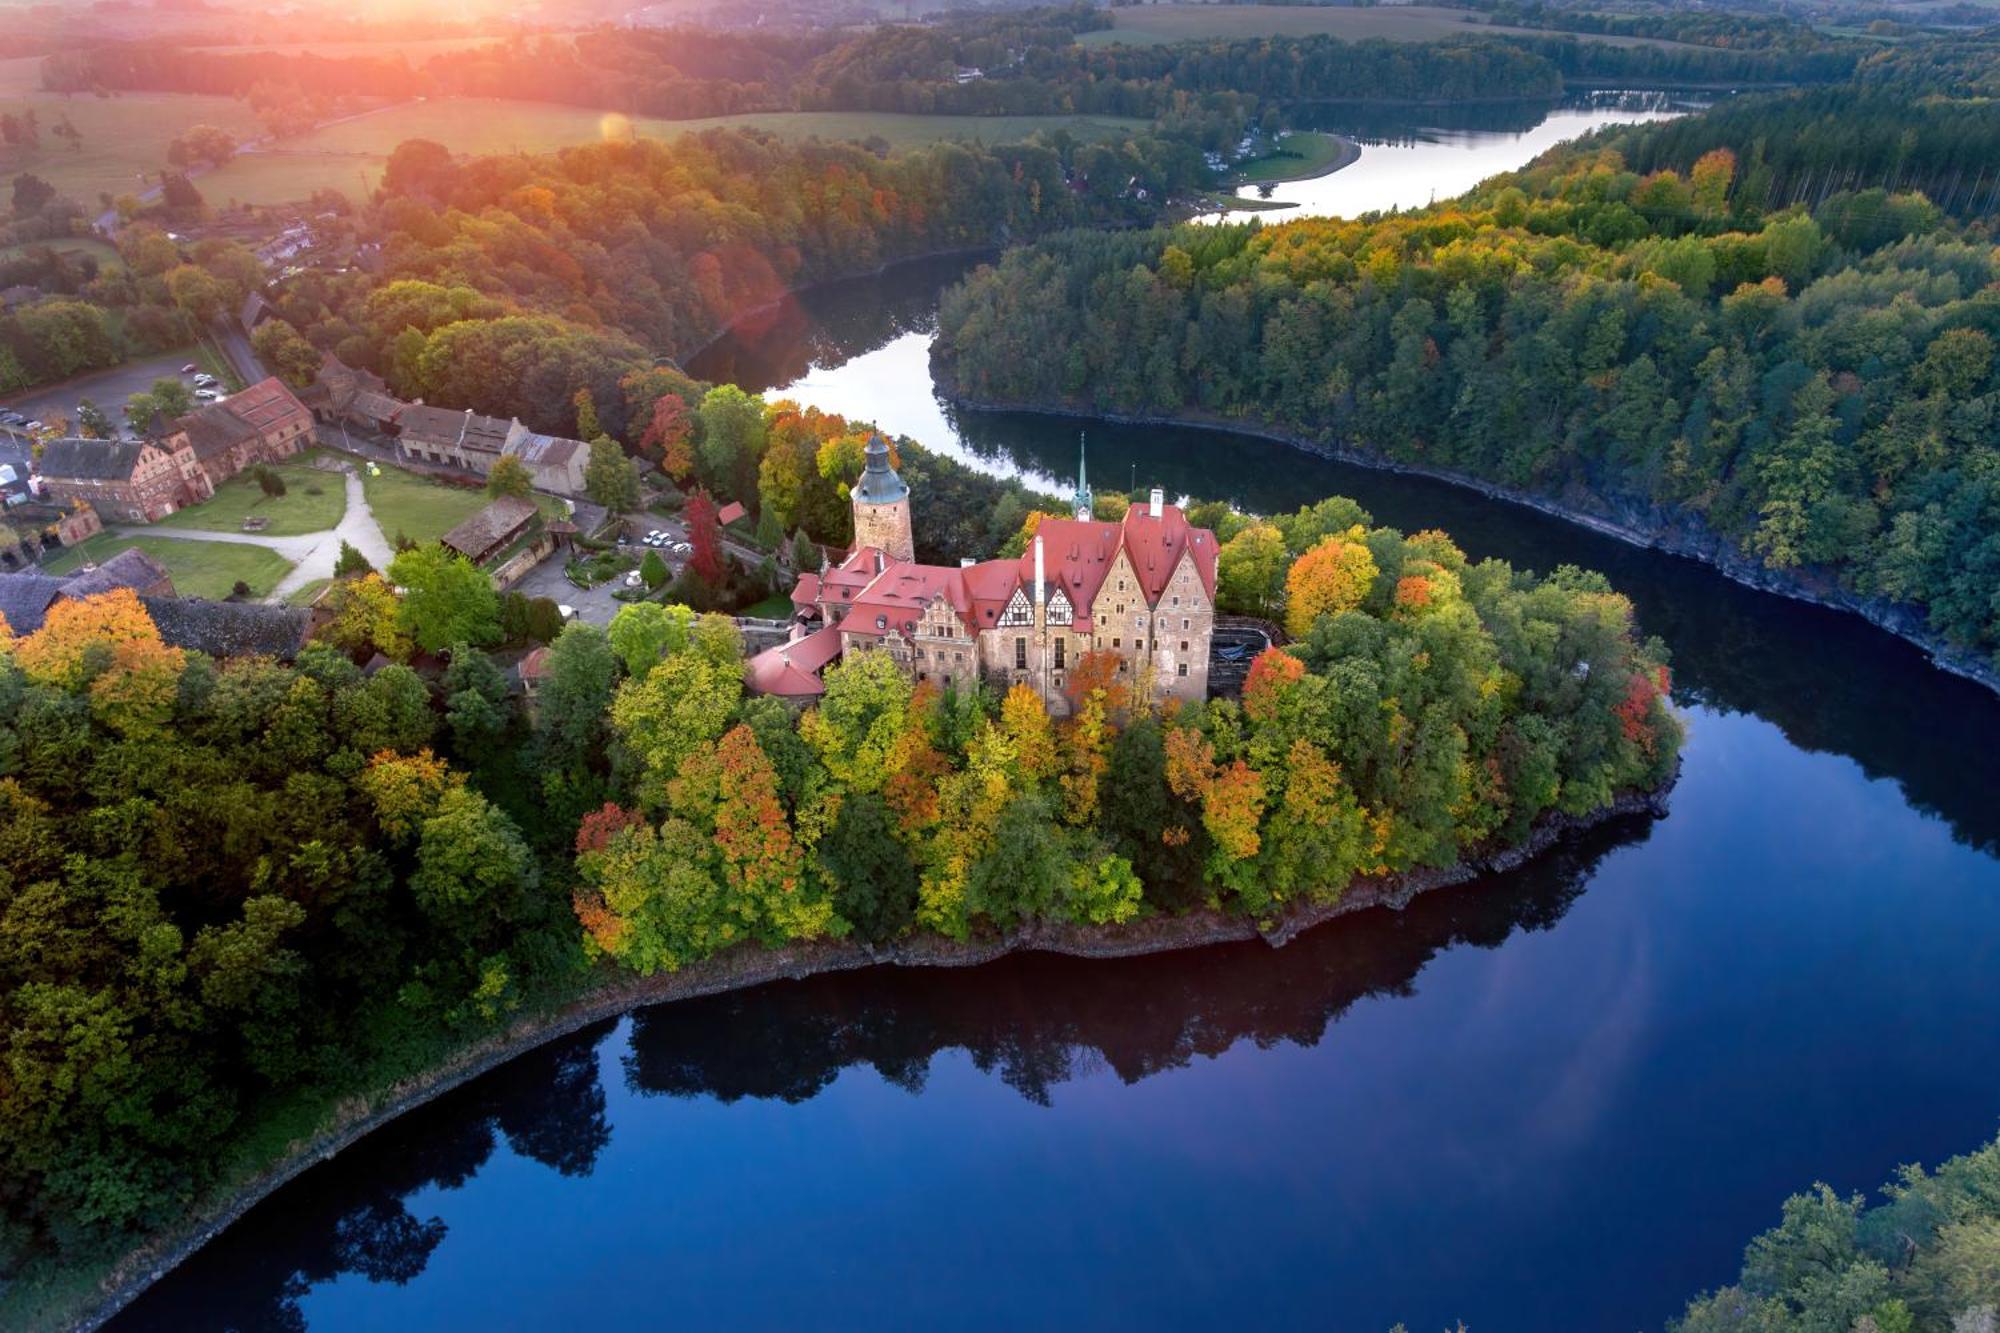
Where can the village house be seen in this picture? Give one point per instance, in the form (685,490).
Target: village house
(262,424)
(126,481)
(1141,590)
(441,437)
(493,529)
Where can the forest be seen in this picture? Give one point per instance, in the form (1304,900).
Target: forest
(507,283)
(1924,1260)
(233,891)
(1682,347)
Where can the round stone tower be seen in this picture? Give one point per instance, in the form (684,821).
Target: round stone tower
(882,505)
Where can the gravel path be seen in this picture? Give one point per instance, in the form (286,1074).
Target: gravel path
(312,554)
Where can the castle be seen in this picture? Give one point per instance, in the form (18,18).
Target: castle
(1141,590)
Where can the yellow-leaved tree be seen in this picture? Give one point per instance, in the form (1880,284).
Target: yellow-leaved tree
(105,646)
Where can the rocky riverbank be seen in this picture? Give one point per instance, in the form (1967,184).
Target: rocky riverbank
(748,967)
(1646,526)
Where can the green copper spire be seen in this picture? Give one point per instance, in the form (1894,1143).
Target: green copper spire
(1082,501)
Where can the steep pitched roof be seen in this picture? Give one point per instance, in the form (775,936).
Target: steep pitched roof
(538,450)
(215,429)
(26,598)
(1156,544)
(490,526)
(442,426)
(229,629)
(791,670)
(91,460)
(130,568)
(264,406)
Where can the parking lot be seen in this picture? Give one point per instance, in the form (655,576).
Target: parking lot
(107,388)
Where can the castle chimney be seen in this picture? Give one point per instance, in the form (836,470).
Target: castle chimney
(1038,578)
(1154,501)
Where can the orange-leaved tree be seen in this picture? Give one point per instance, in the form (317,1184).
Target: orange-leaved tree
(107,646)
(1331,577)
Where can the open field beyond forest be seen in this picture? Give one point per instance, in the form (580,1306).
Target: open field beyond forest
(105,254)
(295,512)
(407,505)
(349,156)
(123,137)
(1146,25)
(199,569)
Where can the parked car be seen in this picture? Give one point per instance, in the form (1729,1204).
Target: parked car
(206,381)
(31,426)
(190,369)
(209,395)
(683,548)
(11,417)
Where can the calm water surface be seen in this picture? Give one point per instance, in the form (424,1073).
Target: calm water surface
(1560,1099)
(1413,157)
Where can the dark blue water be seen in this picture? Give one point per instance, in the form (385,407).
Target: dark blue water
(1559,1099)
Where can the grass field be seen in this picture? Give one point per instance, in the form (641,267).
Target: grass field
(107,256)
(122,137)
(296,511)
(1146,25)
(199,569)
(1300,155)
(407,505)
(349,156)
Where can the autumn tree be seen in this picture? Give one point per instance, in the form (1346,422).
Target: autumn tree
(1330,578)
(510,476)
(705,536)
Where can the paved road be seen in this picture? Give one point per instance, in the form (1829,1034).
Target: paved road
(107,388)
(313,554)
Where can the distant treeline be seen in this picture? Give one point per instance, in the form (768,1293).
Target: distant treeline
(1819,390)
(1026,62)
(1801,148)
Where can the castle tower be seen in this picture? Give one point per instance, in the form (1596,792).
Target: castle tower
(882,505)
(1082,503)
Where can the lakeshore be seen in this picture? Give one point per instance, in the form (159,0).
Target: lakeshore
(356,1116)
(1648,530)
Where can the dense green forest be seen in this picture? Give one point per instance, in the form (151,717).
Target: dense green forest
(506,283)
(1926,1260)
(1816,386)
(231,892)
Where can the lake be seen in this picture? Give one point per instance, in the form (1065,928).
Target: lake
(1558,1099)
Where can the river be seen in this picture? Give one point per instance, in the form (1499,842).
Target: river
(1558,1099)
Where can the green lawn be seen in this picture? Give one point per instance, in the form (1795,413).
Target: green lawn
(305,592)
(350,156)
(1298,156)
(199,569)
(123,136)
(295,512)
(407,505)
(775,607)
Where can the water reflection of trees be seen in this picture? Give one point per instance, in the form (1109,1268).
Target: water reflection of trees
(1033,1021)
(829,325)
(351,1217)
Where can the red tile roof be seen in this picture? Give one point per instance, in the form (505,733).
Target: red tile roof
(730,512)
(791,670)
(1155,546)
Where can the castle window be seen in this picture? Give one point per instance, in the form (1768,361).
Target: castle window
(1060,645)
(1177,601)
(1183,668)
(1183,645)
(1020,654)
(1115,643)
(1184,622)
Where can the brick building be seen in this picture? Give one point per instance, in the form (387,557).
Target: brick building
(263,424)
(126,481)
(1141,590)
